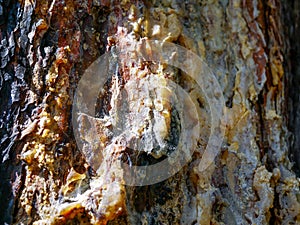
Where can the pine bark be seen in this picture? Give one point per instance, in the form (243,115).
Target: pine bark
(253,47)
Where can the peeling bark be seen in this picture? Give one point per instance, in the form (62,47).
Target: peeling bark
(253,48)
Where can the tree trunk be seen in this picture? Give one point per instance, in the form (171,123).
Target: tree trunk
(250,47)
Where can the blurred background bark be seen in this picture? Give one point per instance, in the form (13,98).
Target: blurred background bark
(252,45)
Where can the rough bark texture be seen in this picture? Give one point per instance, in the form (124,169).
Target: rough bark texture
(292,66)
(46,47)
